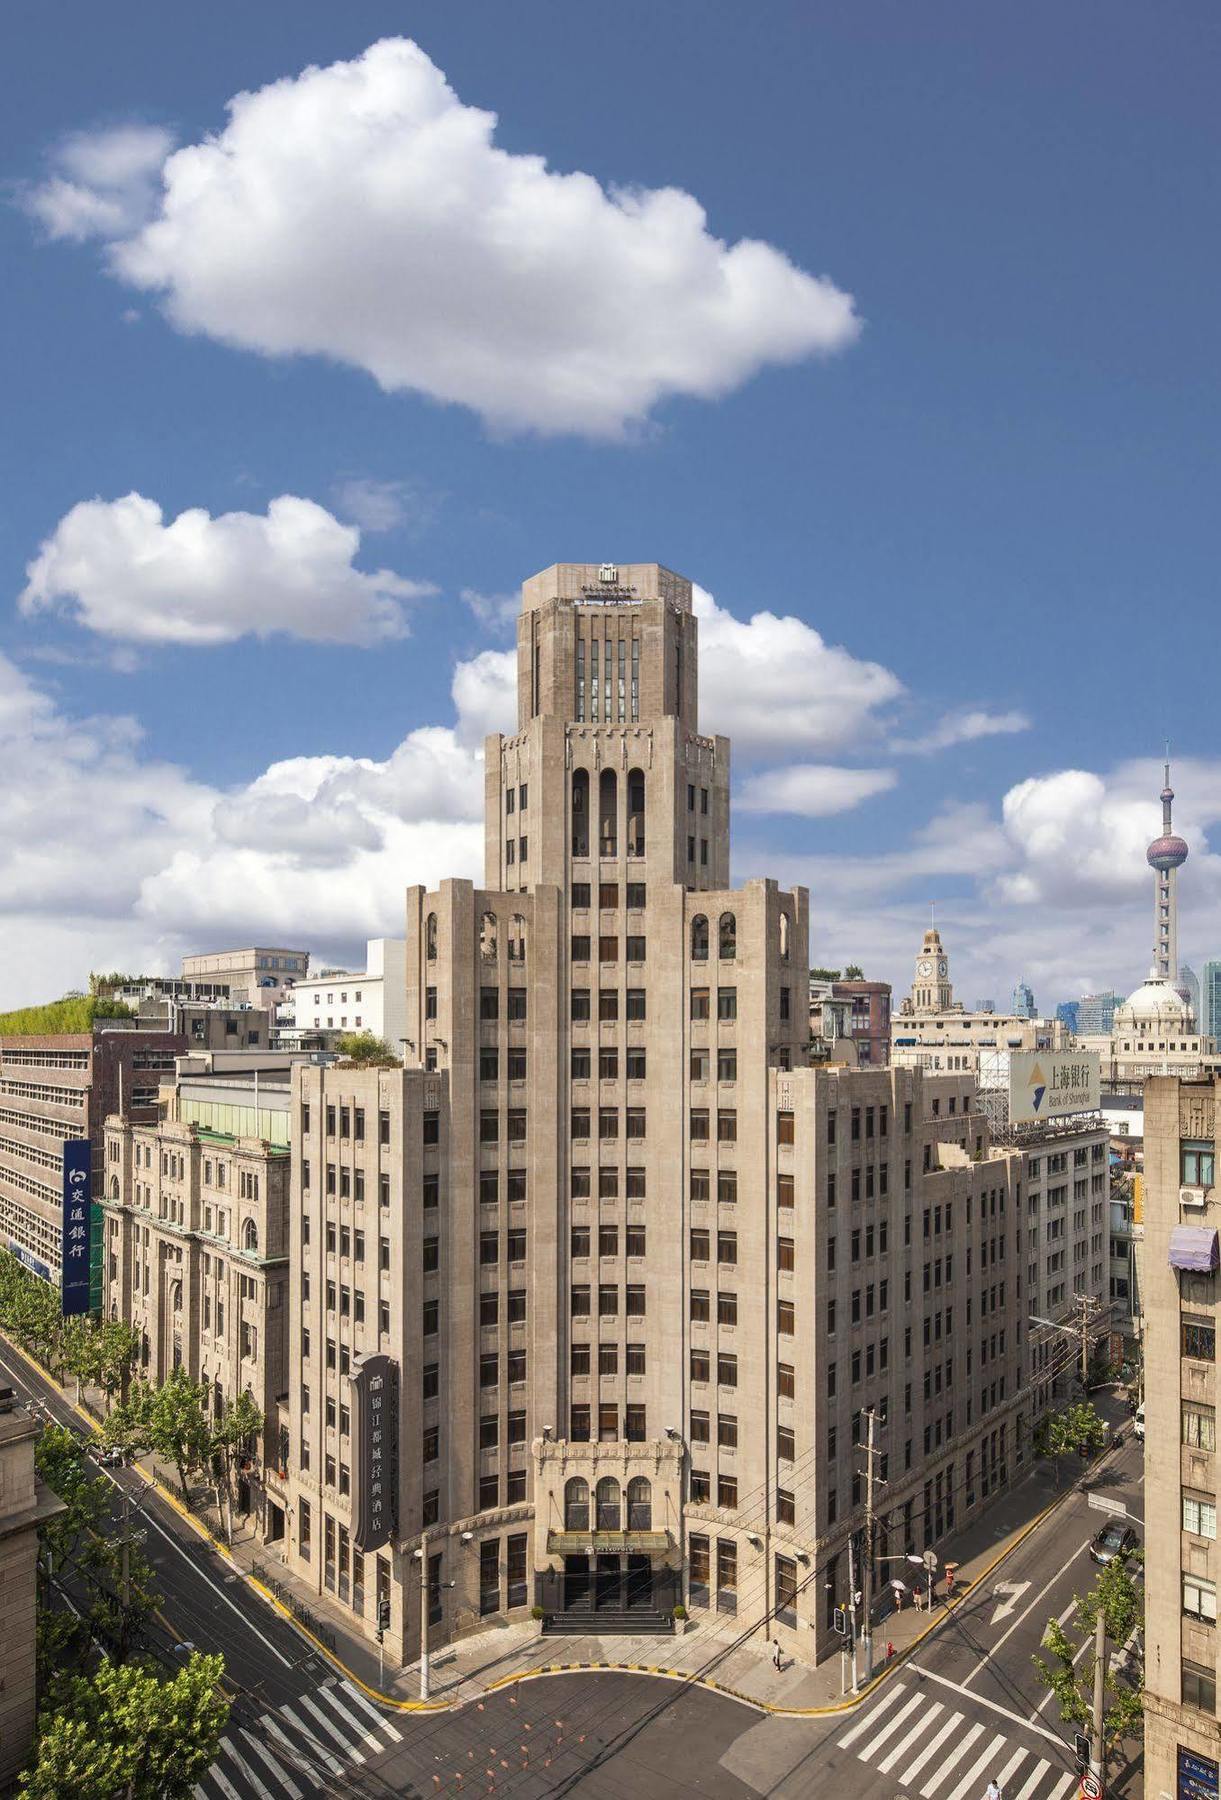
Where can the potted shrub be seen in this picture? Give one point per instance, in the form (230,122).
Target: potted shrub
(538,1615)
(680,1618)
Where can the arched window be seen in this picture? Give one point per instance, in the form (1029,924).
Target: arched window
(176,1297)
(639,1504)
(517,939)
(250,1235)
(608,814)
(729,937)
(576,1504)
(487,934)
(635,812)
(784,937)
(430,937)
(610,1506)
(699,938)
(580,812)
(114,1187)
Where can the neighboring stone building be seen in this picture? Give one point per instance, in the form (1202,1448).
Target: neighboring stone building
(857,1010)
(933,1031)
(24,1505)
(259,976)
(195,1240)
(635,1270)
(373,999)
(1182,1214)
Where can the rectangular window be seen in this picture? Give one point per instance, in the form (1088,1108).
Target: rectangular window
(1199,1687)
(1199,1340)
(699,1003)
(1200,1599)
(1199,1426)
(1200,1515)
(727,1003)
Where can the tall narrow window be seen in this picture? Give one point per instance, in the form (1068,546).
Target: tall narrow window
(593,678)
(580,812)
(728,937)
(622,678)
(635,679)
(535,669)
(699,938)
(635,812)
(608,678)
(580,679)
(608,817)
(430,937)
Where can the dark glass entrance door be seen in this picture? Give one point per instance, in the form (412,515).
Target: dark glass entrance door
(576,1584)
(639,1581)
(606,1593)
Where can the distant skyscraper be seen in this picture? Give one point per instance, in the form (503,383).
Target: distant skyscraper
(1096,1013)
(985,1006)
(1023,1001)
(1210,999)
(1166,856)
(1188,985)
(1068,1013)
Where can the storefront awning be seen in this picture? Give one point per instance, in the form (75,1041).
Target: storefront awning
(572,1543)
(1194,1247)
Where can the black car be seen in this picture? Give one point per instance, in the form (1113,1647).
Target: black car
(1114,1540)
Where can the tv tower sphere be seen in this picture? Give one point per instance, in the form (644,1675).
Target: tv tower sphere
(1166,853)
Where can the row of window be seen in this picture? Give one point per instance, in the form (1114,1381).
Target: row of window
(608,896)
(634,1301)
(608,948)
(634,1359)
(608,1240)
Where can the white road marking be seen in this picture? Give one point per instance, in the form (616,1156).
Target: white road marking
(1062,1787)
(226,1787)
(1032,1780)
(244,1769)
(892,1724)
(345,1744)
(909,1774)
(908,1739)
(317,1750)
(285,1780)
(383,1723)
(1009,1768)
(980,1771)
(1053,1737)
(952,1759)
(1025,1613)
(875,1712)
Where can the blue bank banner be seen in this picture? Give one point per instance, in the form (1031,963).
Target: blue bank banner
(1197,1776)
(78,1225)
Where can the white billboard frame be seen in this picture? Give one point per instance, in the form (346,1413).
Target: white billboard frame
(1053,1084)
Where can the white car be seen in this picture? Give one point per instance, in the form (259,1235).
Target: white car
(1138,1423)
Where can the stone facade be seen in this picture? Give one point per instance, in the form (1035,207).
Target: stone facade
(1180,1318)
(642,1271)
(24,1505)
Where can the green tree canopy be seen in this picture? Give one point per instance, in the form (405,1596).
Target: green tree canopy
(854,972)
(169,1420)
(367,1049)
(127,1734)
(1121,1600)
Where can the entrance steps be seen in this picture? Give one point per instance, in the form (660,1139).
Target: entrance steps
(609,1622)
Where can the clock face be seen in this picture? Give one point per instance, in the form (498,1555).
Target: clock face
(926,968)
(941,969)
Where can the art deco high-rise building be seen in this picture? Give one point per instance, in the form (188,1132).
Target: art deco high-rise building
(590,1304)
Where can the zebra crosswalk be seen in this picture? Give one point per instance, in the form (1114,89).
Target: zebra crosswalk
(939,1754)
(288,1753)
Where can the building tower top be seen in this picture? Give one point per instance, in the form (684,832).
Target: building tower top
(1166,856)
(931,989)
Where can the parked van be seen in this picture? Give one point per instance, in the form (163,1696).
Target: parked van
(1138,1424)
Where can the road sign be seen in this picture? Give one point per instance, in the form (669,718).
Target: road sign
(1091,1787)
(930,1559)
(1104,1503)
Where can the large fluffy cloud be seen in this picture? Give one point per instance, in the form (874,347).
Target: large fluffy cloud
(362,212)
(121,570)
(772,682)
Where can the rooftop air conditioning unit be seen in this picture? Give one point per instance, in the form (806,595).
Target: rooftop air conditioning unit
(1192,1196)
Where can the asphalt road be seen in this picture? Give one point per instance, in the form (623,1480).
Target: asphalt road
(969,1707)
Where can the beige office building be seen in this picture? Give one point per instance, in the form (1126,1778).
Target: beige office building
(635,1273)
(933,1031)
(1182,1214)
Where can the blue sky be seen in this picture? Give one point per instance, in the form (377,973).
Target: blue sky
(966,431)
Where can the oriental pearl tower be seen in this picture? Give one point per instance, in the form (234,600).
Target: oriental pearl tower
(1166,856)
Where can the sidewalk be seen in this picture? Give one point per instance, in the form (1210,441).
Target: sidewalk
(711,1650)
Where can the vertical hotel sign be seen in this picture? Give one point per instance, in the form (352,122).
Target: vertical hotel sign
(78,1225)
(375,1420)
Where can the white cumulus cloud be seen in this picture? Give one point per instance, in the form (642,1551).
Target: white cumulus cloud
(964,726)
(771,682)
(815,790)
(363,213)
(102,183)
(121,570)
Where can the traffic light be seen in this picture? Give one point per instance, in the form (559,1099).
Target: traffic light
(839,1621)
(383,1615)
(1081,1749)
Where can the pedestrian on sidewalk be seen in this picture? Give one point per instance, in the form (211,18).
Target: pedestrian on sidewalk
(993,1790)
(890,1651)
(776,1654)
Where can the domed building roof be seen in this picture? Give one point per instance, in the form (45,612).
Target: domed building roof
(1155,1000)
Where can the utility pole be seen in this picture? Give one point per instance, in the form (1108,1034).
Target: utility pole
(422,1553)
(1082,1329)
(852,1607)
(1100,1669)
(867,1573)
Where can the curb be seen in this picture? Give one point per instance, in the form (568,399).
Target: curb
(393,1703)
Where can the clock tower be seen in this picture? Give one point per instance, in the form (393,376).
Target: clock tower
(931,990)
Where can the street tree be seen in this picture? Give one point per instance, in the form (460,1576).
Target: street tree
(170,1420)
(367,1049)
(61,1463)
(1078,1430)
(101,1353)
(234,1435)
(1118,1597)
(125,1733)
